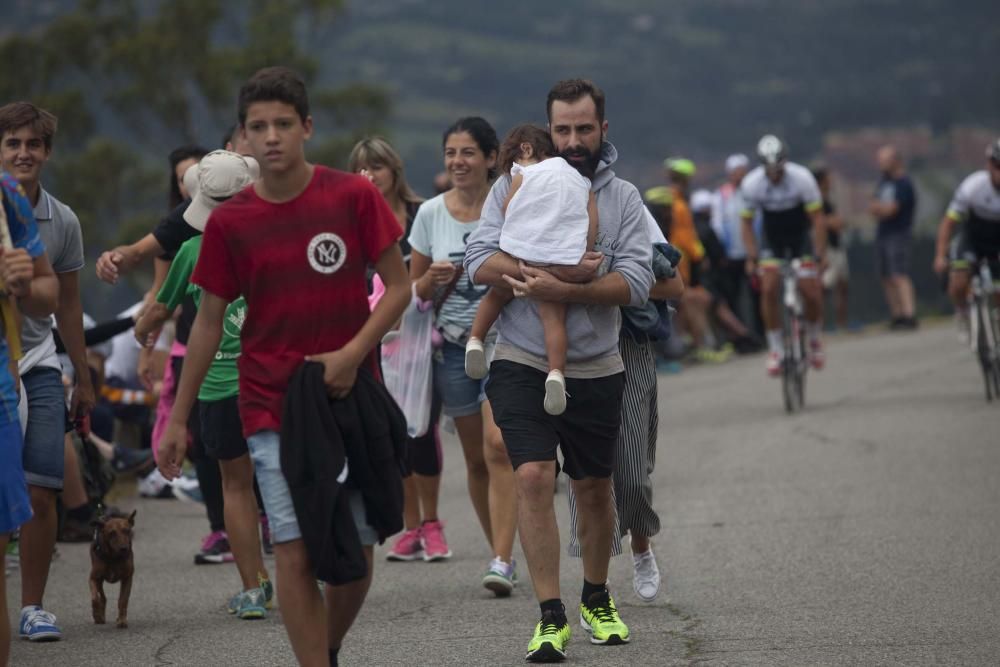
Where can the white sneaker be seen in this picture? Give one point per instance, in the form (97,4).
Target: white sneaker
(646,579)
(964,329)
(153,484)
(555,393)
(475,359)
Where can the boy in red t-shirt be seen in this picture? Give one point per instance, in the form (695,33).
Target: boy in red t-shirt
(296,246)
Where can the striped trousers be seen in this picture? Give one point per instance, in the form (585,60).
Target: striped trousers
(636,453)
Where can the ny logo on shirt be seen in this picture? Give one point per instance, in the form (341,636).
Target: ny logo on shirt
(327,253)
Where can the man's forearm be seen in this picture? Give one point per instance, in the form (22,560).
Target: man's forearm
(610,289)
(749,241)
(667,288)
(492,271)
(943,236)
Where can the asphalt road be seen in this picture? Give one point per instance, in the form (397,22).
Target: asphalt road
(865,530)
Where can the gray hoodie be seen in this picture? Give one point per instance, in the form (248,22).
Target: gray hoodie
(592,331)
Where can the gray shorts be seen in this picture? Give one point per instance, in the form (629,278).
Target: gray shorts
(893,255)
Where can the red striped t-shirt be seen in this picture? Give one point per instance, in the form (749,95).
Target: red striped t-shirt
(301,265)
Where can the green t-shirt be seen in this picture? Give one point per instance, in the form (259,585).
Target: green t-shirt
(223,379)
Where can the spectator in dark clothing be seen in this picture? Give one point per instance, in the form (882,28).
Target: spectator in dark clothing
(893,206)
(714,268)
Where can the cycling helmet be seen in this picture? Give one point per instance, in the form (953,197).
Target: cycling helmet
(771,150)
(993,152)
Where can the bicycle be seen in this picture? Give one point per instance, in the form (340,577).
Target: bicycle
(985,327)
(793,333)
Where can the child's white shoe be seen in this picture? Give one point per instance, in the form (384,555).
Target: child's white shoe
(475,359)
(555,393)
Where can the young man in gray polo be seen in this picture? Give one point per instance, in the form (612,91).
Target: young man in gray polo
(26,134)
(619,273)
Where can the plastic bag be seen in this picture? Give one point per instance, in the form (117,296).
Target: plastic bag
(406,366)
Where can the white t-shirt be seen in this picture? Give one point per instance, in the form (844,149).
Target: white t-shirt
(123,362)
(547,220)
(438,235)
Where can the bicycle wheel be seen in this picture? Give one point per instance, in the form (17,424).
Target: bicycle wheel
(994,345)
(802,363)
(789,371)
(983,351)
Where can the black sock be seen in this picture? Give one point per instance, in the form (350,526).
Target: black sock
(589,589)
(333,656)
(555,606)
(80,514)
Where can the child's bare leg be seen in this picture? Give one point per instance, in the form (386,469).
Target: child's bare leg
(489,310)
(553,317)
(487,313)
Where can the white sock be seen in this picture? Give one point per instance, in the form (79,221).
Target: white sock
(814,330)
(775,341)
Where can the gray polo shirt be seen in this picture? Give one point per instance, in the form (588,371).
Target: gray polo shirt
(60,231)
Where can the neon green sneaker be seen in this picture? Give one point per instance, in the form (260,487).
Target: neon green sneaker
(265,585)
(549,642)
(600,618)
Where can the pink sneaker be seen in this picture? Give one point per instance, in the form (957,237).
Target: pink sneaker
(435,546)
(407,547)
(817,357)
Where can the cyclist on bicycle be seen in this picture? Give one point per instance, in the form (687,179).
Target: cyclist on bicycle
(975,209)
(792,207)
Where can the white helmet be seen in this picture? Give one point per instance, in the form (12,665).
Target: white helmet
(771,150)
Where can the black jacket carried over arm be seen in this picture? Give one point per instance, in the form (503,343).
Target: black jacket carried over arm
(363,435)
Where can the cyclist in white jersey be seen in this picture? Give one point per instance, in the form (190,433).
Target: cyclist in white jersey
(975,211)
(792,207)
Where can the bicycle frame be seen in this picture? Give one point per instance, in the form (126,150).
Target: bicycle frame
(796,361)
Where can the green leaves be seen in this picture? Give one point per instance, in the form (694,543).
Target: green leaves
(131,80)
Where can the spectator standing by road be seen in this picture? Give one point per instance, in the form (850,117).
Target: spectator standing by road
(893,206)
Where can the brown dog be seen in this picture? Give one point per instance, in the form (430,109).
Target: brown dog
(111,561)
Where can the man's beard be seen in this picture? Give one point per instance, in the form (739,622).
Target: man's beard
(588,166)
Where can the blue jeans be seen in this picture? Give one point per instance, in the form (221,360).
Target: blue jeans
(46,432)
(265,448)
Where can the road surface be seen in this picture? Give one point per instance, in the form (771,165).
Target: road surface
(865,530)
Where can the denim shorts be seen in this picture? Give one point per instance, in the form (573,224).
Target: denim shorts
(46,429)
(461,396)
(265,452)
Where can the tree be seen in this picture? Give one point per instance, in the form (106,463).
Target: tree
(129,82)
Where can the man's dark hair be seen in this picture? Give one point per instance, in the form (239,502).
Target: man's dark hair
(16,115)
(274,84)
(571,90)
